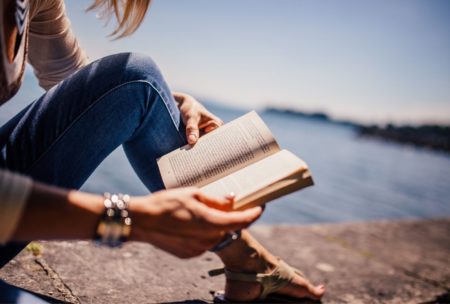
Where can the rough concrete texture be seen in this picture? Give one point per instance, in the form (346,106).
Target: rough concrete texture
(377,262)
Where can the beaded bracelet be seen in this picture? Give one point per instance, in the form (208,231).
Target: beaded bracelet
(114,226)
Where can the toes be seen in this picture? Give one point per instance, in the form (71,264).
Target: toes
(301,288)
(316,291)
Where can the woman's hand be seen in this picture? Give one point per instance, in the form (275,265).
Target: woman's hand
(195,116)
(184,221)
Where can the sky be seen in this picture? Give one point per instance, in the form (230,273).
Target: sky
(369,61)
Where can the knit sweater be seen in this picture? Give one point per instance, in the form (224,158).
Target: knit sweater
(51,48)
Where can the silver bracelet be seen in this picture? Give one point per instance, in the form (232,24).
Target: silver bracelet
(114,226)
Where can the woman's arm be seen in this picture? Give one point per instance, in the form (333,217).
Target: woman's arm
(55,213)
(181,221)
(53,50)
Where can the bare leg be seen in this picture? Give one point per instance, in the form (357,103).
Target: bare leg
(248,255)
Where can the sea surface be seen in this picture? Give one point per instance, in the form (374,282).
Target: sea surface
(356,179)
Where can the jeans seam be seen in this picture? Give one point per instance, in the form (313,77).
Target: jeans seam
(95,103)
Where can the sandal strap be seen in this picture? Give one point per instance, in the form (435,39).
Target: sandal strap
(281,276)
(237,276)
(216,272)
(245,277)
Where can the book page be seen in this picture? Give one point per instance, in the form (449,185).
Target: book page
(283,167)
(225,150)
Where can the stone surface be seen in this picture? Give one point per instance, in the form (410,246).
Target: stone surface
(376,262)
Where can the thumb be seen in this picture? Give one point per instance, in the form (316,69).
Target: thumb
(225,204)
(192,132)
(233,220)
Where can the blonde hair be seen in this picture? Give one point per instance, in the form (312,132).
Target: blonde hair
(129,14)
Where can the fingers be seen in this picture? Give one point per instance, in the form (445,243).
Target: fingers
(233,220)
(214,212)
(230,196)
(209,122)
(194,125)
(180,246)
(196,118)
(209,126)
(191,222)
(226,204)
(213,117)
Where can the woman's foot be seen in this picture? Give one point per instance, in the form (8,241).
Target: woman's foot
(298,288)
(248,256)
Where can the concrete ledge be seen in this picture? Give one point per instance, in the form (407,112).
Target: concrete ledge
(376,262)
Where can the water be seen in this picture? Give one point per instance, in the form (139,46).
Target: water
(356,179)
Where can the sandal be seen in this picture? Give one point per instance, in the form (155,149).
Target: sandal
(281,276)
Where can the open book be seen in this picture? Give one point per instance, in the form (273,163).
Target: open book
(241,157)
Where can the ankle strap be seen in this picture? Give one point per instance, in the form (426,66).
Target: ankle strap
(216,272)
(270,282)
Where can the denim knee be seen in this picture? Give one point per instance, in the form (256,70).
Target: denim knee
(141,66)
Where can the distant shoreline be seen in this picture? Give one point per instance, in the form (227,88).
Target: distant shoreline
(435,137)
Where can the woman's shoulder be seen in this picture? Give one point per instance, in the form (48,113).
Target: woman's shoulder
(45,8)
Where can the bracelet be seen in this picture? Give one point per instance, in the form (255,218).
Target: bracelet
(229,238)
(114,226)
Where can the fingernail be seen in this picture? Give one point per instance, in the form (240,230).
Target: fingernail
(231,195)
(192,138)
(257,210)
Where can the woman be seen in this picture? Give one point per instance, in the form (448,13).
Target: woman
(88,110)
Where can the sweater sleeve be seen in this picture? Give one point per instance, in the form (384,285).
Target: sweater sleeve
(53,50)
(14,191)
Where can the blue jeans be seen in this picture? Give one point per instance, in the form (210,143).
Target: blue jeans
(63,136)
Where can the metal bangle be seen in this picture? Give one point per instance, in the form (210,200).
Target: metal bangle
(114,226)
